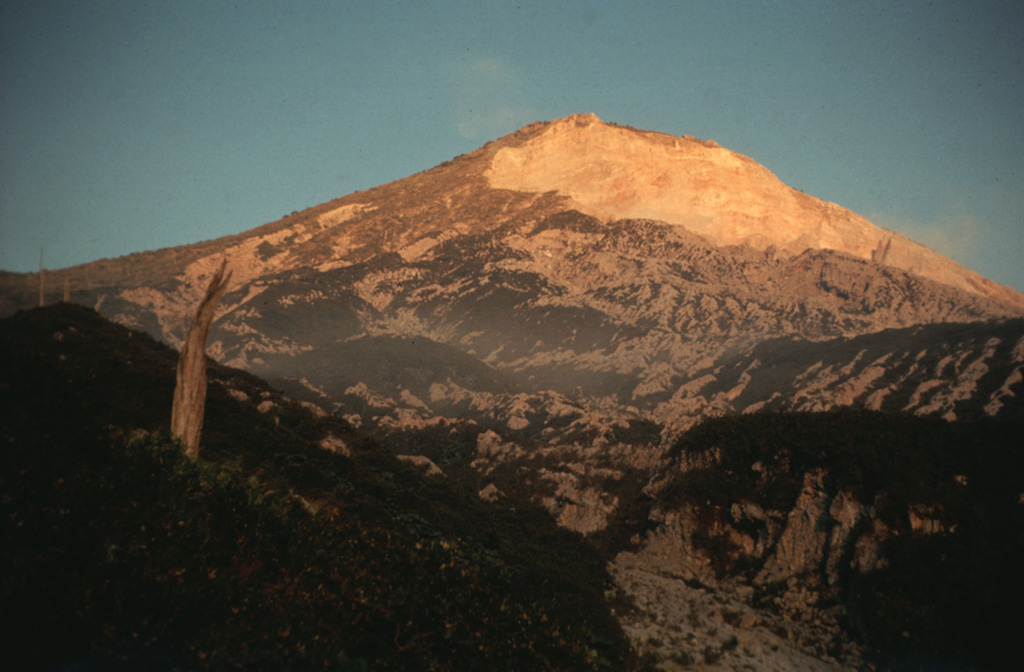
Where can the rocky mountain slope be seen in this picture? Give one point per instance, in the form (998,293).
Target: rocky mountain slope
(294,542)
(887,538)
(547,316)
(765,541)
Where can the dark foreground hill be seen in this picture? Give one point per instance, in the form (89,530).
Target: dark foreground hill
(292,543)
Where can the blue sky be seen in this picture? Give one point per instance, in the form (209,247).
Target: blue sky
(132,125)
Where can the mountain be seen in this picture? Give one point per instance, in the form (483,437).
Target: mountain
(550,317)
(584,258)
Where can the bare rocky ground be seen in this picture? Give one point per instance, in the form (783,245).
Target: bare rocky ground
(687,626)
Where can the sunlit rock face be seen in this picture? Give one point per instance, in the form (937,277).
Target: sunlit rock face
(619,173)
(614,172)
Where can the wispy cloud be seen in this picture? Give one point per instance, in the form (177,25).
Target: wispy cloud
(955,234)
(489,99)
(983,238)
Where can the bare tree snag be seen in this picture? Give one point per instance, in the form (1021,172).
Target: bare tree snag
(190,391)
(42,280)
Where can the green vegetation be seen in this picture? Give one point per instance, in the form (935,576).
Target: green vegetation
(120,552)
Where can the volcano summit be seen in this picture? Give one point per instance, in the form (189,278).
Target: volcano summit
(613,173)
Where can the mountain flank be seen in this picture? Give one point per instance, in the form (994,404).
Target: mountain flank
(758,408)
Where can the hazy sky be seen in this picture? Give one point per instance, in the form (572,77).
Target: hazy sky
(130,125)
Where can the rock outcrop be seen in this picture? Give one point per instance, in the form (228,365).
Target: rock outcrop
(832,528)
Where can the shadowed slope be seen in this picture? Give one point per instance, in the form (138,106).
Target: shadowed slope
(269,552)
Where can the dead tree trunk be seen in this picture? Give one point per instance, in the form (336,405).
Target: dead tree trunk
(190,392)
(42,280)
